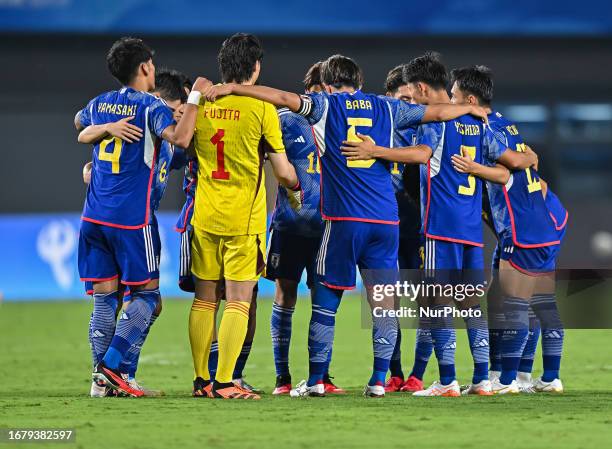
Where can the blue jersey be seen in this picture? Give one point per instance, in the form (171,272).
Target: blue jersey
(357,190)
(190,181)
(518,208)
(451,202)
(558,213)
(406,184)
(122,177)
(302,153)
(170,158)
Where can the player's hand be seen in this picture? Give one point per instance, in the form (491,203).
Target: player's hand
(534,155)
(463,163)
(218,90)
(295,195)
(87,172)
(201,84)
(359,151)
(481,113)
(124,130)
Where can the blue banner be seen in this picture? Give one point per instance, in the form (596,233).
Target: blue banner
(39,258)
(362,17)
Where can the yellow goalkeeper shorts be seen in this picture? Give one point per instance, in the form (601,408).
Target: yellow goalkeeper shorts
(230,257)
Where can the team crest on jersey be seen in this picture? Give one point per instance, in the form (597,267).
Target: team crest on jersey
(274,260)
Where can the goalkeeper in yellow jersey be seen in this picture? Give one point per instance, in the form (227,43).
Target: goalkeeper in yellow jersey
(232,136)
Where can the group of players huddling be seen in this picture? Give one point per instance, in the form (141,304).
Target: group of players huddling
(365,181)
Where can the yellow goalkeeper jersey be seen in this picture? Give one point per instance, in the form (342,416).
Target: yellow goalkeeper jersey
(231,137)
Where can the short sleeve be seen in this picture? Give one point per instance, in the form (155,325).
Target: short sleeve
(271,129)
(405,114)
(160,117)
(86,113)
(314,107)
(429,134)
(494,145)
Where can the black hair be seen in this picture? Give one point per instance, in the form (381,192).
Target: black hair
(395,79)
(171,84)
(340,71)
(125,56)
(427,69)
(475,80)
(313,76)
(238,56)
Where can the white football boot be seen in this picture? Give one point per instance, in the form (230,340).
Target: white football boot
(554,386)
(147,392)
(482,388)
(494,375)
(98,389)
(374,391)
(499,388)
(302,390)
(437,389)
(525,383)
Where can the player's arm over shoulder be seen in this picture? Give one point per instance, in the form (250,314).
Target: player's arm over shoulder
(495,146)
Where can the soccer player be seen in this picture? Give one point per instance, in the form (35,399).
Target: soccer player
(233,134)
(451,207)
(119,241)
(357,202)
(406,184)
(527,237)
(295,236)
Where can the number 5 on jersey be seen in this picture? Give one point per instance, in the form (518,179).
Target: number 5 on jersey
(470,189)
(351,136)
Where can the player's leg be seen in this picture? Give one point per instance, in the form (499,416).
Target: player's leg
(544,305)
(206,263)
(243,262)
(442,260)
(517,286)
(336,272)
(378,264)
(475,322)
(238,376)
(495,315)
(284,266)
(524,379)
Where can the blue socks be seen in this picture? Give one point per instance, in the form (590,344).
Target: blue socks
(280,330)
(242,359)
(545,308)
(102,323)
(384,337)
(444,340)
(423,348)
(213,359)
(132,324)
(395,365)
(129,364)
(526,364)
(478,336)
(496,319)
(325,303)
(516,312)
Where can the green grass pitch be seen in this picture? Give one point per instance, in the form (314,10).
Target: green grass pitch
(44,382)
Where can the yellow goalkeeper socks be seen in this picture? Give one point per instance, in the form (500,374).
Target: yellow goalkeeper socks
(232,331)
(201,331)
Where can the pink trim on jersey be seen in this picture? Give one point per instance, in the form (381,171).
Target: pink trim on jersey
(100,279)
(514,239)
(148,207)
(137,282)
(450,239)
(527,272)
(184,228)
(557,227)
(337,287)
(438,237)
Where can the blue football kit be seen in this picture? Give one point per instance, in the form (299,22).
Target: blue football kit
(524,227)
(357,197)
(295,235)
(119,234)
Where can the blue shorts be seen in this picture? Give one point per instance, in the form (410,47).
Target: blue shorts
(348,244)
(411,253)
(107,253)
(186,281)
(531,261)
(453,262)
(289,255)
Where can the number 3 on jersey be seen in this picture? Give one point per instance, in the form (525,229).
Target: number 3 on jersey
(217,141)
(112,157)
(351,136)
(470,189)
